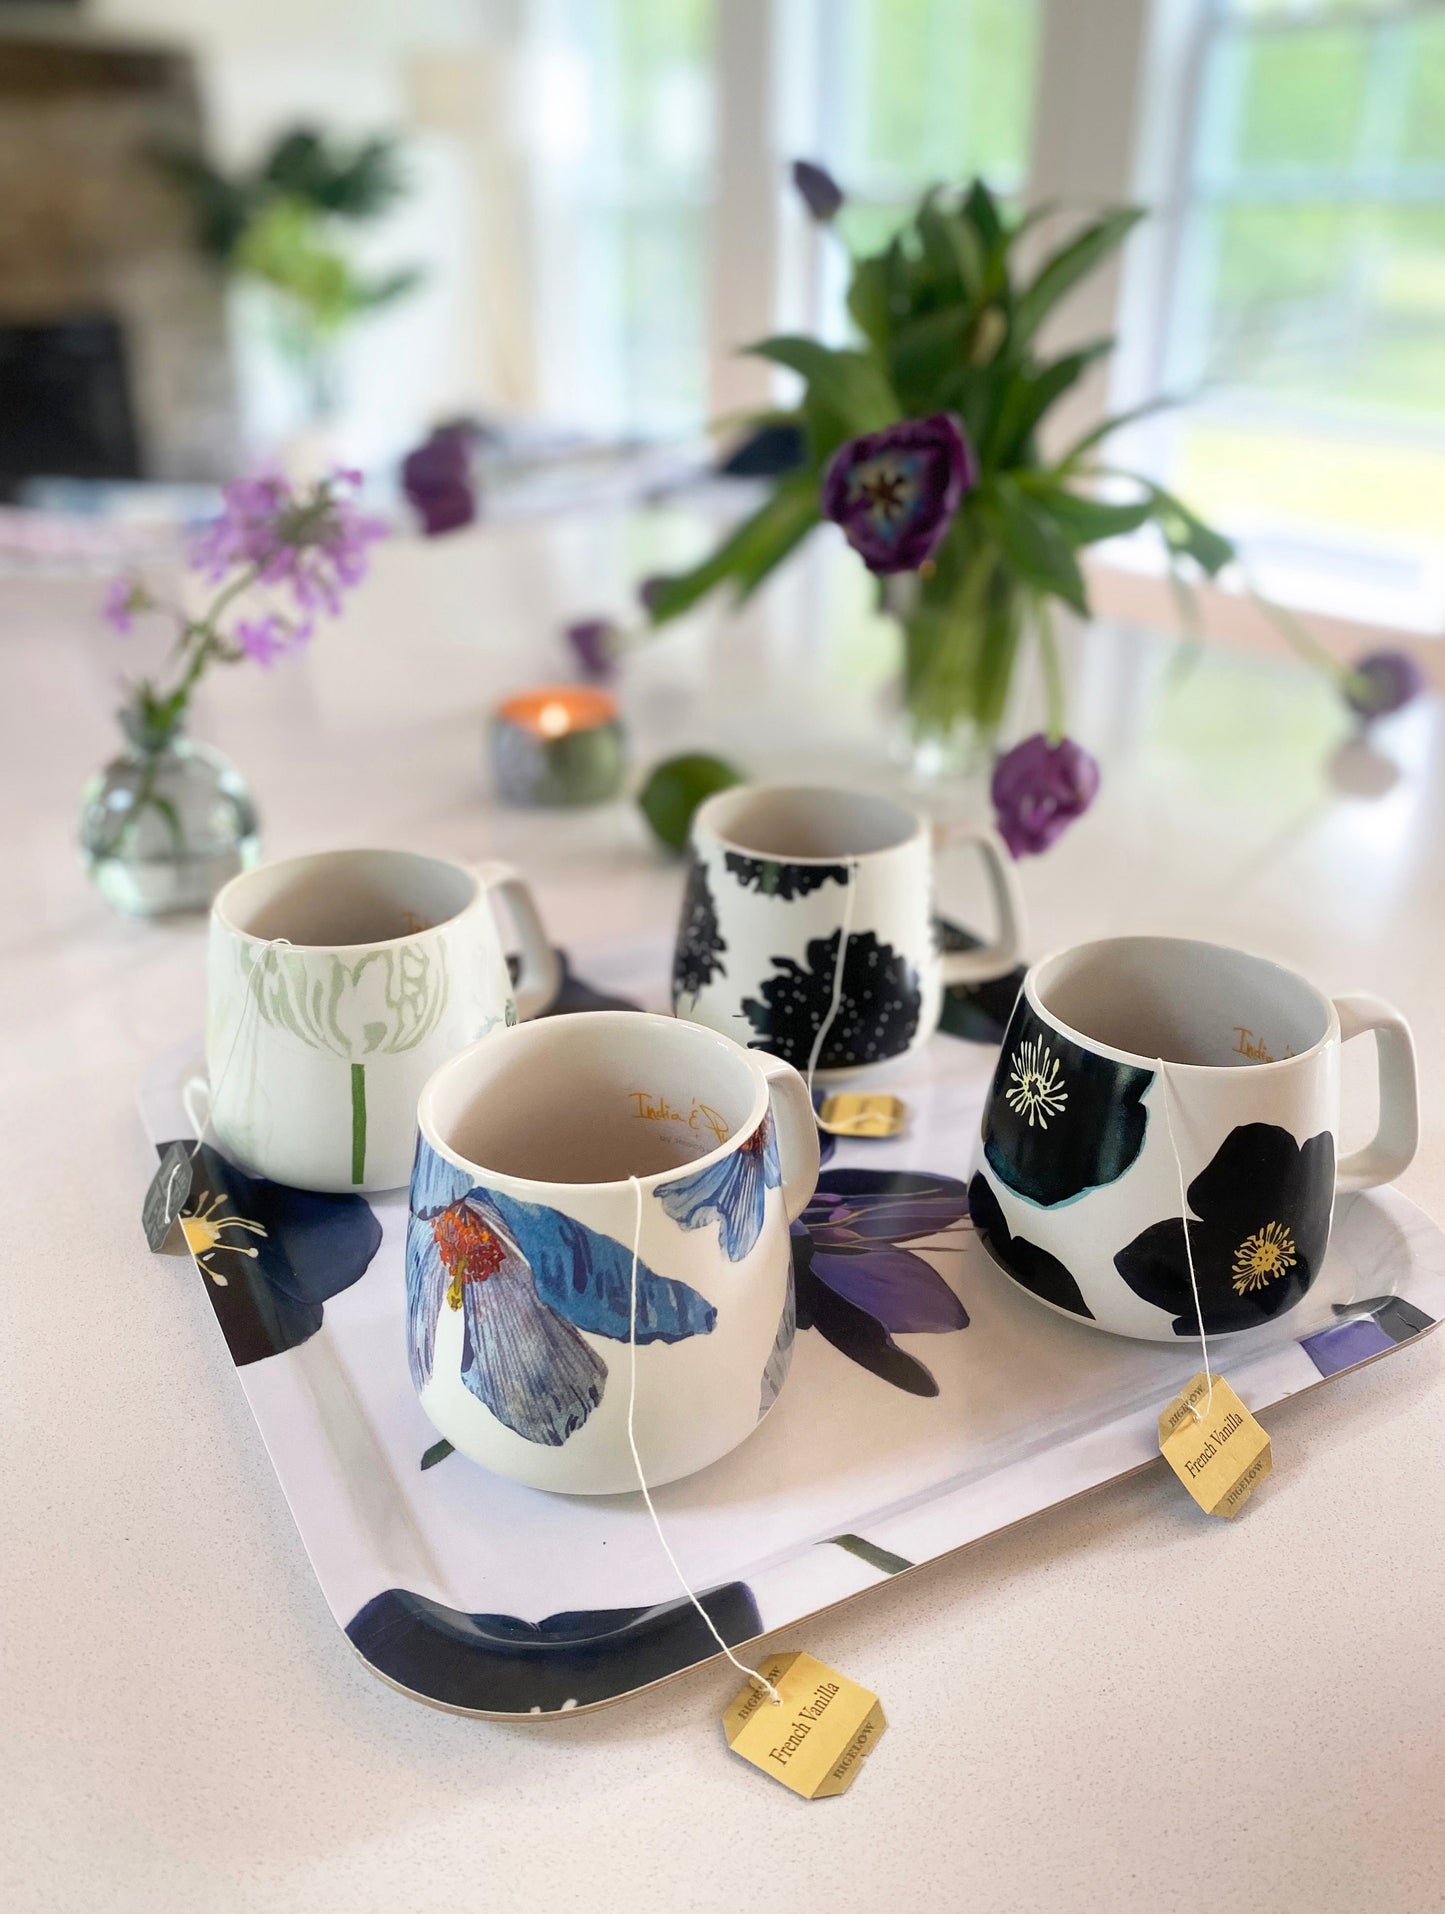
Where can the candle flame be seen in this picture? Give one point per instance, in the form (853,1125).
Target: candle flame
(554,720)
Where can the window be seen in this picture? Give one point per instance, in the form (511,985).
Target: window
(912,94)
(624,129)
(1308,300)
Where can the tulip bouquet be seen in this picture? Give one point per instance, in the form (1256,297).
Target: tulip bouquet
(922,442)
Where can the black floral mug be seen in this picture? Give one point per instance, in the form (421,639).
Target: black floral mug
(1135,1066)
(783,875)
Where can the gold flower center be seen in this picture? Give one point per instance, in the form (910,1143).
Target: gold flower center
(1270,1252)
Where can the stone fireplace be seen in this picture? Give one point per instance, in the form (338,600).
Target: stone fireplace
(114,359)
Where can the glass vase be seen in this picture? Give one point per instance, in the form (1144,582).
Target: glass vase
(958,663)
(165,825)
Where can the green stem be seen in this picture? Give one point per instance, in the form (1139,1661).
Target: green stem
(358,1122)
(1053,673)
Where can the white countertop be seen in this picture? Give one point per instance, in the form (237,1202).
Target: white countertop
(1119,1706)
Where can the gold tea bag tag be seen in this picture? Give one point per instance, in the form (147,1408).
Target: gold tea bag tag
(820,1736)
(1214,1445)
(851,1113)
(165,1199)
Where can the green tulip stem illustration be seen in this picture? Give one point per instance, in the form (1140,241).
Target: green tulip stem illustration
(358,1122)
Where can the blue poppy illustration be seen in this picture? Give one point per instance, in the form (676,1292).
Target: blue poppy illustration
(780,1357)
(500,1664)
(527,1279)
(733,1193)
(271,1256)
(856,1283)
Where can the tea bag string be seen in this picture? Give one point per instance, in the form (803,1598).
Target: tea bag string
(752,1674)
(844,931)
(251,1005)
(1165,1090)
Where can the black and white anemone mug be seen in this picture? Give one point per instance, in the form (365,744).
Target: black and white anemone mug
(778,875)
(1075,1189)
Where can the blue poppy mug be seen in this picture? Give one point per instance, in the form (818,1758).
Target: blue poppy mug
(1135,1067)
(545,1154)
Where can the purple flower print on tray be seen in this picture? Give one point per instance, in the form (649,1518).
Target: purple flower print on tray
(857,1284)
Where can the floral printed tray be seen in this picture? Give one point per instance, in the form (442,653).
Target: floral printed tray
(929,1403)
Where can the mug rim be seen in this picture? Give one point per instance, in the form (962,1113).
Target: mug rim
(702,818)
(1137,1058)
(220,915)
(526,1032)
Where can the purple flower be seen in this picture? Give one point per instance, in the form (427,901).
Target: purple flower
(267,638)
(858,1287)
(437,479)
(1383,682)
(313,542)
(595,643)
(1039,789)
(819,191)
(895,492)
(124,597)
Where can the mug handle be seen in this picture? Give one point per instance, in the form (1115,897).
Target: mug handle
(999,957)
(540,976)
(797,1132)
(1393,1146)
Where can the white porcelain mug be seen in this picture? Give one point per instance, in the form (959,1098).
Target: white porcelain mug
(777,872)
(520,1245)
(336,985)
(1075,1189)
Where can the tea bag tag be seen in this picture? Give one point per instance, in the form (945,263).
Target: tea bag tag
(852,1113)
(818,1739)
(1214,1445)
(169,1190)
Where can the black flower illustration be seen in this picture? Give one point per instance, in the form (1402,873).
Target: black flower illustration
(878,1010)
(978,1013)
(771,879)
(1060,1119)
(1030,1266)
(271,1256)
(500,1664)
(700,943)
(1263,1221)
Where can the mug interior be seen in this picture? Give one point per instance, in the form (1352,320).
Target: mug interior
(1187,1002)
(339,898)
(799,823)
(593,1098)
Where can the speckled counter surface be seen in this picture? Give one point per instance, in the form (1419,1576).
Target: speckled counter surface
(1120,1706)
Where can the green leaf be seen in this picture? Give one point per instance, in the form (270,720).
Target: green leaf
(1082,520)
(1032,543)
(438,1452)
(758,544)
(1185,533)
(980,209)
(851,385)
(1105,427)
(869,304)
(1063,271)
(923,355)
(1029,395)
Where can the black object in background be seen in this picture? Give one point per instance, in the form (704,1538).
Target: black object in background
(65,409)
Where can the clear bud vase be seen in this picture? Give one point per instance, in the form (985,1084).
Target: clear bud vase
(165,825)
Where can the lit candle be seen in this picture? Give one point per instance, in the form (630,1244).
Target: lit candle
(559,744)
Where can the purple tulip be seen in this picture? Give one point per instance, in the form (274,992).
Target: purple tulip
(595,643)
(1039,789)
(1383,682)
(818,190)
(437,479)
(650,590)
(895,492)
